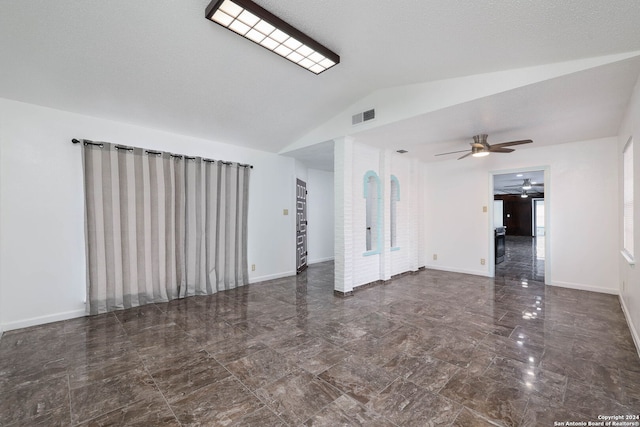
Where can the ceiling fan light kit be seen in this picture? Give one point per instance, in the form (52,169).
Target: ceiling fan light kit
(481,148)
(479,152)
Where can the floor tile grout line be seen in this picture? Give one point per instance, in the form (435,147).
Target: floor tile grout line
(328,404)
(345,395)
(69,394)
(462,408)
(161,393)
(376,302)
(146,369)
(99,414)
(524,412)
(247,387)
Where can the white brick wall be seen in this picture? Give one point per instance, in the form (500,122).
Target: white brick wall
(422,214)
(343,185)
(414,215)
(352,161)
(385,179)
(366,269)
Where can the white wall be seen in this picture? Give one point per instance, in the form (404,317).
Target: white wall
(455,226)
(353,268)
(302,172)
(320,215)
(1,215)
(406,170)
(630,275)
(584,253)
(42,262)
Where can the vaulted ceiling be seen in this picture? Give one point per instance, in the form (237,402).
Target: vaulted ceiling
(161,64)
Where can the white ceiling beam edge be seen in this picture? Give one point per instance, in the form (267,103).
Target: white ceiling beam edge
(404,102)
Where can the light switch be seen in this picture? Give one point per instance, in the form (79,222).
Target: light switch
(285,212)
(484,209)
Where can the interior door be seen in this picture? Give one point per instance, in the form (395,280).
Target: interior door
(301,225)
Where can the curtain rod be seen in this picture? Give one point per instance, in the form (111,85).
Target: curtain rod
(157,153)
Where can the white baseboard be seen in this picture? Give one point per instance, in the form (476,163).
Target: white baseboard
(41,320)
(315,261)
(457,270)
(632,328)
(582,287)
(271,277)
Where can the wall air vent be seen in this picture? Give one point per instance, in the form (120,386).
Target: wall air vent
(365,116)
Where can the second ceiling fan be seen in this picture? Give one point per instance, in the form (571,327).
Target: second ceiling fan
(480,147)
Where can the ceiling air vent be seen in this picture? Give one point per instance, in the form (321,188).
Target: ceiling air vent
(365,116)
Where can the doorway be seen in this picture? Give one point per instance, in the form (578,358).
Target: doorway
(301,225)
(520,217)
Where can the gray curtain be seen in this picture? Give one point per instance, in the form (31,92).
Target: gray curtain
(161,226)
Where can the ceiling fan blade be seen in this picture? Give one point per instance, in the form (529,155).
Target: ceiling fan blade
(466,155)
(520,185)
(493,149)
(508,144)
(451,152)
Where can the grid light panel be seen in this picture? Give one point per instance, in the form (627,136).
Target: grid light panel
(243,22)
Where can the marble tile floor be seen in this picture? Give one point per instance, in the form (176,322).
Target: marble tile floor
(524,258)
(427,349)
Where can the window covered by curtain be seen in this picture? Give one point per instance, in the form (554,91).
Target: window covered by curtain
(161,226)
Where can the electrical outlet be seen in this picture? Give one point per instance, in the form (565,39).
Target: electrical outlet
(435,257)
(253,267)
(482,261)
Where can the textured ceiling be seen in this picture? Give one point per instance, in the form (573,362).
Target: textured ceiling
(580,106)
(161,64)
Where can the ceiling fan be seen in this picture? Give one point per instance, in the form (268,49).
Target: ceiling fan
(527,184)
(480,147)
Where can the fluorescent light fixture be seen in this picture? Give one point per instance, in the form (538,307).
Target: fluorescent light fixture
(251,21)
